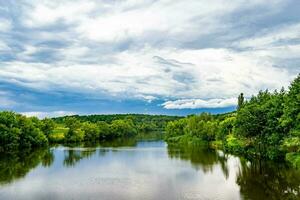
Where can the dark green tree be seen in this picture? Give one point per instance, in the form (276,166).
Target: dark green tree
(241,100)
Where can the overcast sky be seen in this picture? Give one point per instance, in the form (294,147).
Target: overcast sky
(154,56)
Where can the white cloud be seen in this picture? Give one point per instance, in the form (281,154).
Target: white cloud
(5,25)
(105,21)
(42,115)
(272,37)
(207,73)
(141,50)
(45,13)
(199,103)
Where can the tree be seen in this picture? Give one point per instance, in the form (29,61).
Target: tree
(74,134)
(72,123)
(47,126)
(91,131)
(31,135)
(9,133)
(175,128)
(240,101)
(123,128)
(291,117)
(104,130)
(225,128)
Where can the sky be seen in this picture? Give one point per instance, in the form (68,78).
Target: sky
(64,57)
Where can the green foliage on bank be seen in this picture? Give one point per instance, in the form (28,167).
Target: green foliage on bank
(267,126)
(142,122)
(18,132)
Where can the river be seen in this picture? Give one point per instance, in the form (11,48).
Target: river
(141,170)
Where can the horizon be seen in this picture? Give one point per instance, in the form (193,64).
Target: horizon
(41,116)
(163,57)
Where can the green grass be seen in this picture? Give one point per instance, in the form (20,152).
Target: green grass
(58,134)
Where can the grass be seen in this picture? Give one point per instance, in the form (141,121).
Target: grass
(58,134)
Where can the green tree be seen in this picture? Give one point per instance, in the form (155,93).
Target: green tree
(104,130)
(74,134)
(202,126)
(175,128)
(47,126)
(31,135)
(91,131)
(9,132)
(291,117)
(240,101)
(226,127)
(122,128)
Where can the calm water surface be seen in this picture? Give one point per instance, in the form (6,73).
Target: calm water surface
(141,170)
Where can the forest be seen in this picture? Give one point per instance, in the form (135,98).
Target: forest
(18,132)
(266,126)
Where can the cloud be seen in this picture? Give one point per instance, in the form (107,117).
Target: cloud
(6,100)
(5,25)
(207,73)
(199,73)
(199,103)
(46,13)
(277,36)
(43,115)
(181,53)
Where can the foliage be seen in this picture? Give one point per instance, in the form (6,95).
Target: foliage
(91,131)
(202,126)
(47,126)
(122,128)
(104,130)
(175,128)
(241,100)
(291,144)
(142,122)
(265,127)
(291,111)
(294,159)
(226,127)
(74,134)
(20,132)
(17,132)
(234,144)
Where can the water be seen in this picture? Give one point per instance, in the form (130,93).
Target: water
(141,170)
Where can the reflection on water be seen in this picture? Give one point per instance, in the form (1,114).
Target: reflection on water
(257,180)
(200,157)
(15,166)
(268,181)
(141,170)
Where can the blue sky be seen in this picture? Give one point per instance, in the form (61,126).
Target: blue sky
(61,57)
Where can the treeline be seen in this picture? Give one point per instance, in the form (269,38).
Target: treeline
(142,122)
(87,131)
(267,126)
(19,132)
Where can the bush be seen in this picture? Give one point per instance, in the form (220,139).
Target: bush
(293,159)
(175,128)
(234,145)
(91,131)
(122,128)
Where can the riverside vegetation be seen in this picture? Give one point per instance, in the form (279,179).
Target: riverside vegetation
(18,132)
(267,126)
